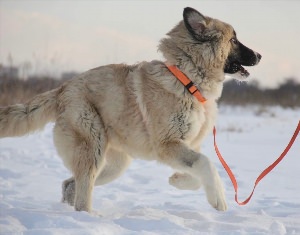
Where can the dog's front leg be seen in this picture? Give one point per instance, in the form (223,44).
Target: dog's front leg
(180,157)
(184,181)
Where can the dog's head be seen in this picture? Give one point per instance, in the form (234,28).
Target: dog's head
(207,43)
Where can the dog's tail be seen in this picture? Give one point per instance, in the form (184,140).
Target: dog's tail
(20,119)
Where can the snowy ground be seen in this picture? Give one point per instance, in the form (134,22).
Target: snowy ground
(142,202)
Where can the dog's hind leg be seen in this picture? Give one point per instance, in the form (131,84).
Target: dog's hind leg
(180,157)
(81,141)
(68,191)
(89,156)
(115,165)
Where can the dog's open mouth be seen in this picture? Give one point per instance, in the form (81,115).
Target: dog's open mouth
(236,67)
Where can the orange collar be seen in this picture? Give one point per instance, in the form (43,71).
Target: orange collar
(186,82)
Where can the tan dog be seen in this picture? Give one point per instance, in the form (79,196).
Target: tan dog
(111,114)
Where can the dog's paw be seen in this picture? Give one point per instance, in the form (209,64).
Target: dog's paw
(68,192)
(215,194)
(184,181)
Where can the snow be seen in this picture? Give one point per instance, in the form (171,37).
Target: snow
(142,201)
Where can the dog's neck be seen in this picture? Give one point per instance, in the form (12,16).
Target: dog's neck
(209,81)
(207,74)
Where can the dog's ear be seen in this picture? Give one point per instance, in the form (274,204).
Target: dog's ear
(194,21)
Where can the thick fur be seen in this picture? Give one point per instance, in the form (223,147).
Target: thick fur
(111,114)
(20,119)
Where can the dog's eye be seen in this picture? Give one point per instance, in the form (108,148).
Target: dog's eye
(234,40)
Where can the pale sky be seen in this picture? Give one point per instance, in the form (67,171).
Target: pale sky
(66,35)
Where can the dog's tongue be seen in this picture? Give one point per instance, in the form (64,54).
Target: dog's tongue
(243,71)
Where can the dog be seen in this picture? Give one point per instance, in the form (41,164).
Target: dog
(109,115)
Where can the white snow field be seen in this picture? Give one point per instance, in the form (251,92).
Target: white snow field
(142,202)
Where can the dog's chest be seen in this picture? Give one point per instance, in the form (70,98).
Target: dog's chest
(189,123)
(199,123)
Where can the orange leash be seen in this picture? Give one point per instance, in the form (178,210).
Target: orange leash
(263,174)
